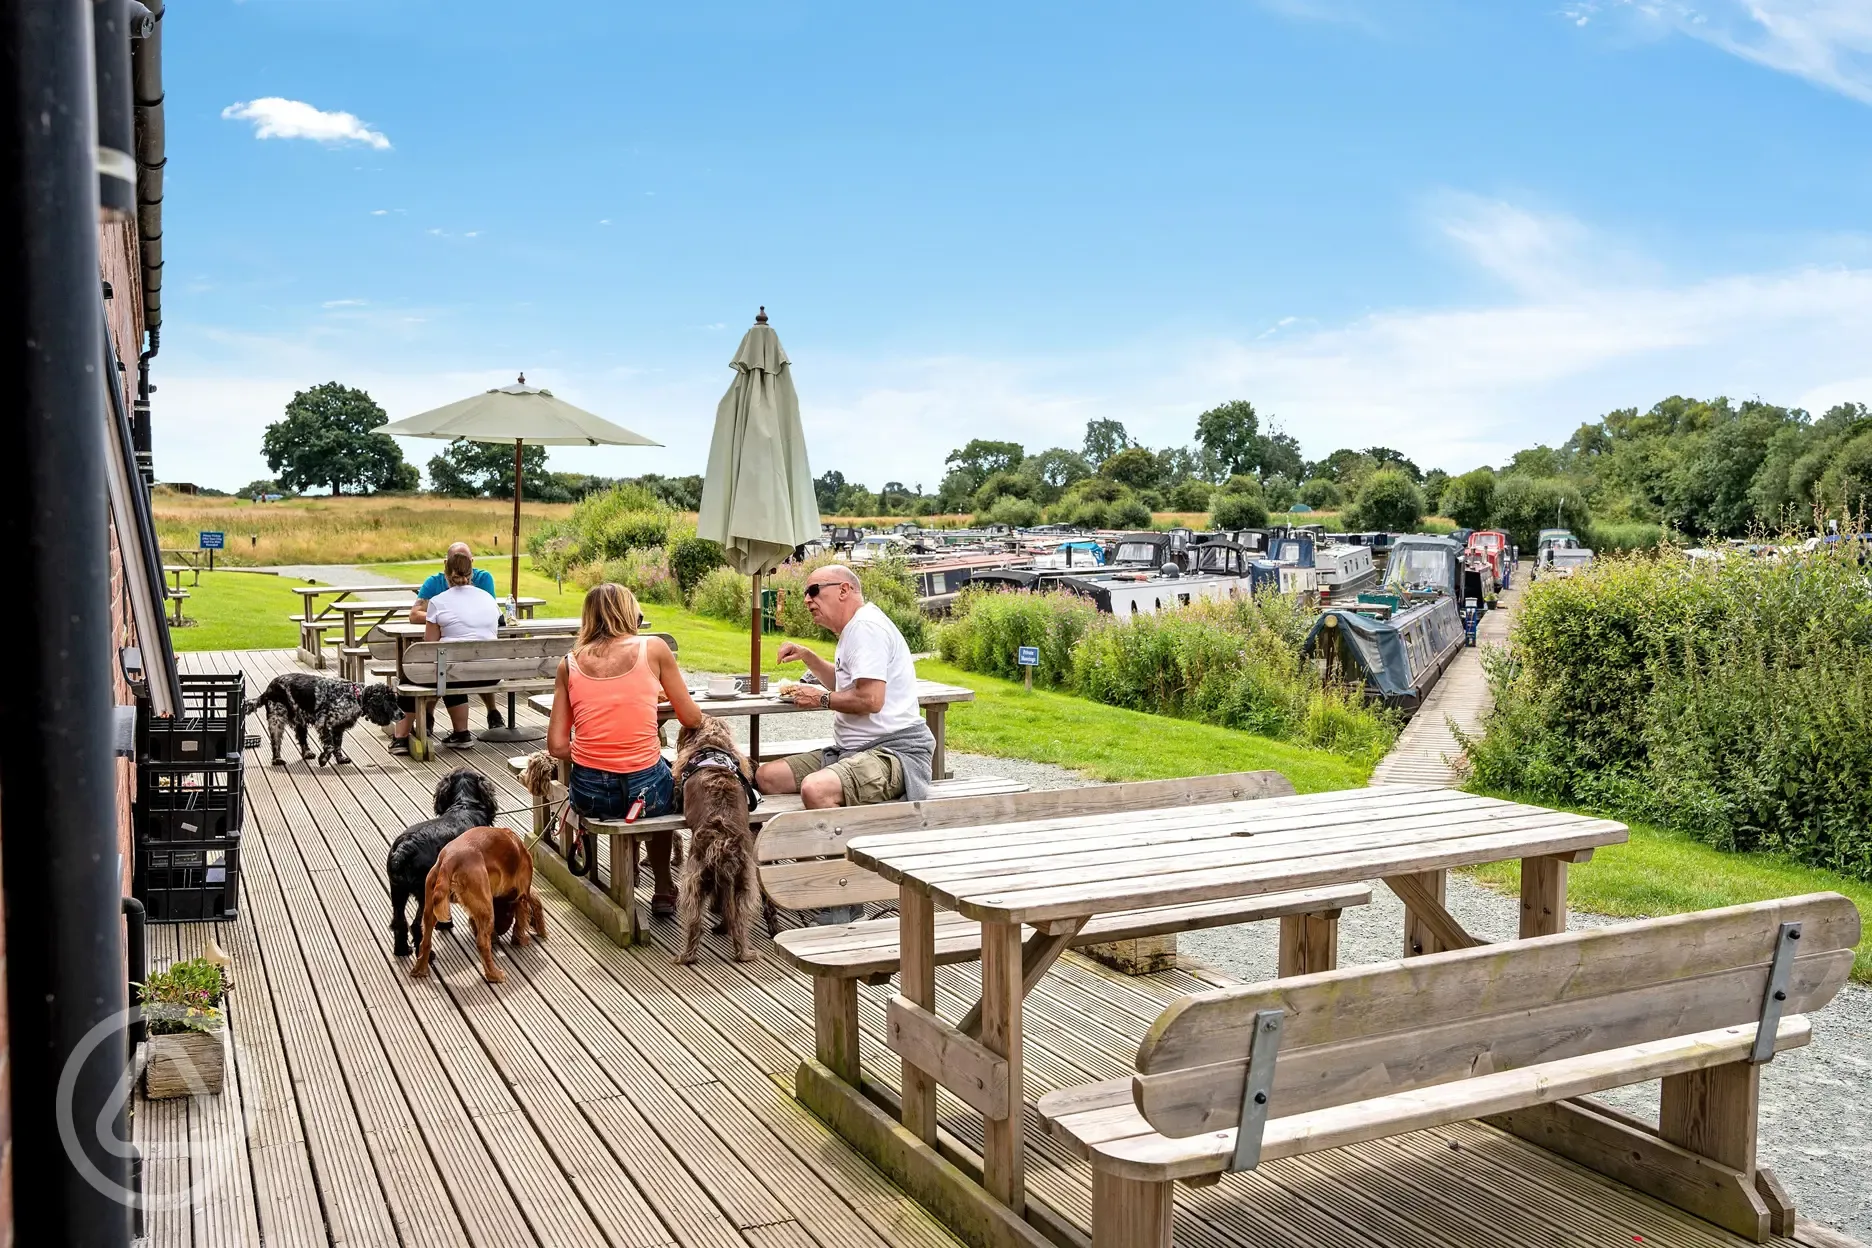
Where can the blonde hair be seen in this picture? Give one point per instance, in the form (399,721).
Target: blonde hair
(458,568)
(610,611)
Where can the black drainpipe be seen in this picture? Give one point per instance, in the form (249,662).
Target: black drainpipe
(151,155)
(58,819)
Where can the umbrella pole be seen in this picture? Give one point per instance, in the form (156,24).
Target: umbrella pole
(754,666)
(513,582)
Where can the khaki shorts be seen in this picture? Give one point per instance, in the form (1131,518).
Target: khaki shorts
(866,777)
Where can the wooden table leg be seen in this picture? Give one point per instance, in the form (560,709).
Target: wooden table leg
(624,882)
(916,938)
(1309,943)
(1543,896)
(1002,1154)
(936,715)
(1420,937)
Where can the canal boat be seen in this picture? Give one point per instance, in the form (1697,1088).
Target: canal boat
(1345,572)
(1399,641)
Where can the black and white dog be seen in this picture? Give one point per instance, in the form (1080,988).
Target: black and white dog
(463,799)
(301,700)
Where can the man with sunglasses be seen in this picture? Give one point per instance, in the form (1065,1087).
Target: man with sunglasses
(881,747)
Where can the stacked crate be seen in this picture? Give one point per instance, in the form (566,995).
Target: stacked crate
(189,803)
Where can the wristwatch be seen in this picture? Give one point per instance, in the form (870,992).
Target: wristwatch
(825,699)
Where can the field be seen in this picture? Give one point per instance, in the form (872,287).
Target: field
(375,529)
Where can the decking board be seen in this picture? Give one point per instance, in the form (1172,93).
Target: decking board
(609,1095)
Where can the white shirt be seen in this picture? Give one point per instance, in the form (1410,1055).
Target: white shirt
(465,613)
(871,648)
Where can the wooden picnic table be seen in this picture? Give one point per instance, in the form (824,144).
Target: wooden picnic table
(935,699)
(1054,875)
(314,618)
(177,569)
(405,634)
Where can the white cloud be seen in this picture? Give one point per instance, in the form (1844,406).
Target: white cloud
(1828,42)
(1580,329)
(344,303)
(276,118)
(380,212)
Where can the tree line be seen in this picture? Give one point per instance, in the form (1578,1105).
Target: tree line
(1704,468)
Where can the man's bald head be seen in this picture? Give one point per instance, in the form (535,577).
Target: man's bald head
(833,596)
(460,548)
(837,574)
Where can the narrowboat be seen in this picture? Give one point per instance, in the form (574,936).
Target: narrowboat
(1345,572)
(1400,641)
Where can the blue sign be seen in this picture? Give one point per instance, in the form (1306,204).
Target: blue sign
(1028,656)
(213,541)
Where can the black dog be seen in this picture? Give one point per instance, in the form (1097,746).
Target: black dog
(302,700)
(463,799)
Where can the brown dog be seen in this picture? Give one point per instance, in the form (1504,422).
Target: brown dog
(715,777)
(490,873)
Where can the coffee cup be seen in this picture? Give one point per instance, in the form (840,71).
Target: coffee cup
(722,687)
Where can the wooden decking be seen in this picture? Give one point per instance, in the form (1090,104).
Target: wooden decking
(608,1096)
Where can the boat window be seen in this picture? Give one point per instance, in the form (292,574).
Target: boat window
(1420,566)
(1137,552)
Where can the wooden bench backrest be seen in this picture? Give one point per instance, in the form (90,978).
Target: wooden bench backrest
(383,645)
(506,658)
(802,856)
(1363,1032)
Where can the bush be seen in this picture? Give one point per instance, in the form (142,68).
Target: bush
(1469,500)
(1390,502)
(644,572)
(1016,512)
(692,558)
(723,594)
(1726,700)
(1608,538)
(1280,492)
(1129,513)
(1526,505)
(1191,495)
(1234,663)
(1239,504)
(1320,494)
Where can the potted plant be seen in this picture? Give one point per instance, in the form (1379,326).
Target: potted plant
(182,1006)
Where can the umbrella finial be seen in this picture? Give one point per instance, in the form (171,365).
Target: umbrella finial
(523,379)
(760,318)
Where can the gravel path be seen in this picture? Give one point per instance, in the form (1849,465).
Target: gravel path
(333,574)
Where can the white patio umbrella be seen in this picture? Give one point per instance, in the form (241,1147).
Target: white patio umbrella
(518,414)
(757,500)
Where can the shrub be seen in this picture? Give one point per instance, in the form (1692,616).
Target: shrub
(986,627)
(1129,513)
(1608,538)
(1280,492)
(1727,700)
(723,594)
(1239,504)
(1191,495)
(1526,505)
(186,996)
(1320,494)
(692,558)
(644,572)
(1390,501)
(1016,512)
(1469,500)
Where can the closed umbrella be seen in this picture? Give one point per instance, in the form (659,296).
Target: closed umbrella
(757,500)
(518,414)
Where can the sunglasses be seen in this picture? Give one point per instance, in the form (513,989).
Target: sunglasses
(812,591)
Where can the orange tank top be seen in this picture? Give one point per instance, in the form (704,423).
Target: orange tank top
(614,718)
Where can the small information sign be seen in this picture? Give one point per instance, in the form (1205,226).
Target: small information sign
(211,541)
(1028,658)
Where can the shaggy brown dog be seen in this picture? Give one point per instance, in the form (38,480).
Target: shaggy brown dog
(489,873)
(715,777)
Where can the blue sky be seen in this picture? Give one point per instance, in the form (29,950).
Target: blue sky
(1452,228)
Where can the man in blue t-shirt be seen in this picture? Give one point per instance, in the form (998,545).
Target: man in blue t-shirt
(434,587)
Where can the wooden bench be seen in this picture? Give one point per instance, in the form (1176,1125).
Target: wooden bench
(572,869)
(506,665)
(1507,1033)
(178,597)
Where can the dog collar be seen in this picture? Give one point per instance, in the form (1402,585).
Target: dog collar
(717,759)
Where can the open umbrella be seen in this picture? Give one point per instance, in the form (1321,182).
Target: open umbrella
(757,500)
(518,414)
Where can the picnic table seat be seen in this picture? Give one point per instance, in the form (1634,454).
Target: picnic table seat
(1508,1033)
(432,669)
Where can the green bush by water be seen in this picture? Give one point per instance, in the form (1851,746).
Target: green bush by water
(1234,663)
(1729,700)
(727,595)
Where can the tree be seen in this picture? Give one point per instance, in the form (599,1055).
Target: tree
(1469,500)
(1281,454)
(1177,464)
(826,490)
(1005,485)
(259,489)
(1230,436)
(985,458)
(1104,439)
(1238,504)
(1526,505)
(1015,512)
(1433,484)
(1390,502)
(1057,468)
(1134,466)
(1384,455)
(465,469)
(326,440)
(1191,496)
(1345,468)
(1281,492)
(1319,494)
(1847,485)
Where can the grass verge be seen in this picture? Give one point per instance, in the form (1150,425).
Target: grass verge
(1661,872)
(1111,744)
(238,611)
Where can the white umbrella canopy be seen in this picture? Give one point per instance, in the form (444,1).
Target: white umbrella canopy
(757,499)
(518,414)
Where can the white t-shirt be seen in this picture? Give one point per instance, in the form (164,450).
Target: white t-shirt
(465,613)
(871,648)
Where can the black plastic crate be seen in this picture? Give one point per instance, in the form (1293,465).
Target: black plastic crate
(189,803)
(209,726)
(188,881)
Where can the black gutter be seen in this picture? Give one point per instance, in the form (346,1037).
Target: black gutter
(151,156)
(146,542)
(58,818)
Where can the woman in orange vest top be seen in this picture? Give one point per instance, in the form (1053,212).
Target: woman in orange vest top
(604,719)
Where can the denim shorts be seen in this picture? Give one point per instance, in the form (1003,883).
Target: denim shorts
(609,794)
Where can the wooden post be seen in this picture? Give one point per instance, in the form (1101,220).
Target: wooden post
(1130,1213)
(916,936)
(513,581)
(1002,1154)
(1309,943)
(1712,1113)
(835,1025)
(1543,896)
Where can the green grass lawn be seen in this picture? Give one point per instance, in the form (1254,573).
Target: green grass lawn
(1660,872)
(1111,744)
(239,611)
